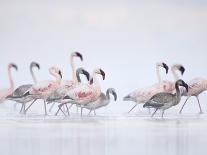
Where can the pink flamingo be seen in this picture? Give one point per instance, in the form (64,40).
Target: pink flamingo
(5,92)
(43,89)
(81,94)
(141,96)
(196,87)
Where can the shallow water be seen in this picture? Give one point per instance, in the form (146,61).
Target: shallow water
(103,135)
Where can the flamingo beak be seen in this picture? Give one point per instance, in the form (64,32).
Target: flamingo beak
(182,69)
(60,74)
(79,55)
(186,86)
(166,67)
(102,73)
(14,66)
(115,95)
(37,65)
(91,81)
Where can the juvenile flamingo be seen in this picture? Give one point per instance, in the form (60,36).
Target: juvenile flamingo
(196,87)
(5,92)
(102,101)
(21,90)
(43,89)
(141,96)
(164,100)
(81,94)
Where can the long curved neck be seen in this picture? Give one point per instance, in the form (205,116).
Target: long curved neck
(158,73)
(174,73)
(178,95)
(96,82)
(32,74)
(74,78)
(107,95)
(10,78)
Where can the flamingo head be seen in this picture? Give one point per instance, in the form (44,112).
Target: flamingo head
(164,65)
(101,72)
(182,83)
(179,67)
(12,65)
(55,71)
(34,64)
(113,92)
(77,54)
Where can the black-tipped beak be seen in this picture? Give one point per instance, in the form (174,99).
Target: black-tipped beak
(91,81)
(14,66)
(86,74)
(115,95)
(166,67)
(60,74)
(79,55)
(186,86)
(182,69)
(37,65)
(102,73)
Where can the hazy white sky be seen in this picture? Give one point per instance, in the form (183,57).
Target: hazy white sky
(125,38)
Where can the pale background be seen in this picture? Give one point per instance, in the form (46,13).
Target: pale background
(124,38)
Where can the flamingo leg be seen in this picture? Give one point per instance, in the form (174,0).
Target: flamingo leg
(30,105)
(184,104)
(51,107)
(94,112)
(133,107)
(89,112)
(67,110)
(81,112)
(62,111)
(21,108)
(77,109)
(154,112)
(149,110)
(163,113)
(199,104)
(59,108)
(45,107)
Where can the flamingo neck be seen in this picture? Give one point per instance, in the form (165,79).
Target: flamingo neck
(158,74)
(32,74)
(96,83)
(74,78)
(174,74)
(107,95)
(178,95)
(10,78)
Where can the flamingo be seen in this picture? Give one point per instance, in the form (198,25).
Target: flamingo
(43,89)
(82,93)
(196,87)
(141,96)
(5,92)
(58,94)
(102,101)
(21,90)
(164,100)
